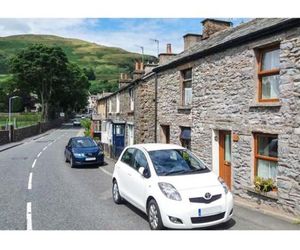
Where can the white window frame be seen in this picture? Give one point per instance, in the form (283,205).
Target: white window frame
(118,103)
(131,99)
(109,106)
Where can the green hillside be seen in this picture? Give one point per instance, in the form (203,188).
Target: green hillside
(107,62)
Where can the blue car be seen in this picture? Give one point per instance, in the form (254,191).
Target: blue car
(82,151)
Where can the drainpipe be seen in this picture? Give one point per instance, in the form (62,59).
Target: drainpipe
(155,110)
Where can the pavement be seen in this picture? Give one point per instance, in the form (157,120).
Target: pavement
(40,191)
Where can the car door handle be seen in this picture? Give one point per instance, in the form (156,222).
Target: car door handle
(129,174)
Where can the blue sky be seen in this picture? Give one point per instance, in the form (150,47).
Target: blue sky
(126,33)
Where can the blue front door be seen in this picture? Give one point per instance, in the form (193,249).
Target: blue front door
(118,139)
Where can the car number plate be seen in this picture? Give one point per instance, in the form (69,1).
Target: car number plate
(90,158)
(209,211)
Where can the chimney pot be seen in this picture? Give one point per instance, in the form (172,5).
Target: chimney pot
(169,48)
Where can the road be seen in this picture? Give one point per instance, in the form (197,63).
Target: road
(39,191)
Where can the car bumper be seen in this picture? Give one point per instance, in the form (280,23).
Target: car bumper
(83,162)
(215,213)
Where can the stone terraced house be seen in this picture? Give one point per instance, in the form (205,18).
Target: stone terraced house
(127,116)
(232,97)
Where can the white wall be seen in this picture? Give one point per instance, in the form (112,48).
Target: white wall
(215,151)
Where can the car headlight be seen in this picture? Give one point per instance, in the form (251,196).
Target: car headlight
(169,191)
(78,154)
(223,184)
(100,153)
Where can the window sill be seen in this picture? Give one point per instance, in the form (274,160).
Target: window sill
(271,195)
(265,105)
(184,108)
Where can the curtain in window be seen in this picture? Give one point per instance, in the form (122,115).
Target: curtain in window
(266,169)
(271,60)
(188,96)
(270,87)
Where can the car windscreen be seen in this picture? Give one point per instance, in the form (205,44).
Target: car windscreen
(176,162)
(83,143)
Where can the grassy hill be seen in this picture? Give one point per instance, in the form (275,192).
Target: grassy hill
(107,62)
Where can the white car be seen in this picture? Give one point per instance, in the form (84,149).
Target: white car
(172,186)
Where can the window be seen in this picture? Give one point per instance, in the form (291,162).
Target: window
(164,134)
(118,103)
(109,106)
(119,130)
(130,134)
(140,160)
(131,99)
(185,137)
(268,74)
(266,155)
(128,157)
(103,126)
(186,87)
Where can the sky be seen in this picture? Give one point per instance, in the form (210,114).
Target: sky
(128,33)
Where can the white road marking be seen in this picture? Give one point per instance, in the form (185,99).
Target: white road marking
(33,164)
(28,217)
(106,172)
(39,154)
(30,181)
(45,148)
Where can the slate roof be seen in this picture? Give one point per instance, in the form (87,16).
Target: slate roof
(231,37)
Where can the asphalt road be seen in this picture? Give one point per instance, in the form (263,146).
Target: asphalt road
(39,191)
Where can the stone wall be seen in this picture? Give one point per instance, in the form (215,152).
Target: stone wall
(144,113)
(224,98)
(170,111)
(4,137)
(22,133)
(25,132)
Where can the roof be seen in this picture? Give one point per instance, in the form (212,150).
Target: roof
(127,86)
(231,37)
(157,146)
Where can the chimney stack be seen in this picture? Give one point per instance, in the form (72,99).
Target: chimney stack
(166,57)
(211,26)
(149,67)
(139,70)
(191,39)
(124,80)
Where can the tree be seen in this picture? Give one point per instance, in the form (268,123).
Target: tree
(73,94)
(89,73)
(40,70)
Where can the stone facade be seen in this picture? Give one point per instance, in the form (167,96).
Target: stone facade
(170,112)
(144,114)
(225,98)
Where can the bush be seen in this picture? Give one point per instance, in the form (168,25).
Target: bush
(86,124)
(264,185)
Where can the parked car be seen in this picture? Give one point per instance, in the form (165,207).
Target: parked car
(172,186)
(76,122)
(82,151)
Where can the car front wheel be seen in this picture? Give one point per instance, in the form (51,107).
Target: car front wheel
(116,193)
(72,162)
(154,216)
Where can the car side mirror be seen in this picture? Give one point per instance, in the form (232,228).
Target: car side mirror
(141,170)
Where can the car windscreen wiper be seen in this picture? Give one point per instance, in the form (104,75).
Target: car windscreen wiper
(183,171)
